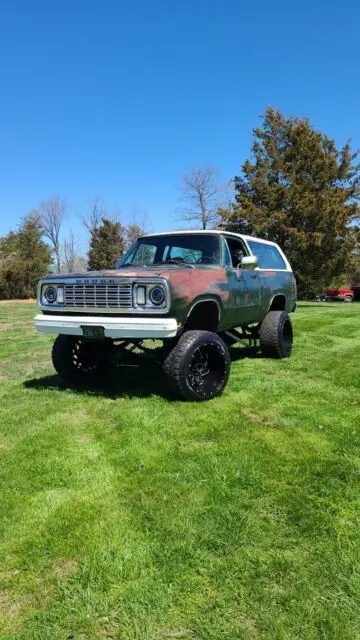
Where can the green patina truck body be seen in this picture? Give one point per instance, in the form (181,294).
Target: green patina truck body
(197,291)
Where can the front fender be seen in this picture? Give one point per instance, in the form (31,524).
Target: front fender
(189,288)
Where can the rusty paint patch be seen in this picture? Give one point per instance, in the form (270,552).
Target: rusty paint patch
(190,285)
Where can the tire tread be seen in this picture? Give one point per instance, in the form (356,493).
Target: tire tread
(271,337)
(172,364)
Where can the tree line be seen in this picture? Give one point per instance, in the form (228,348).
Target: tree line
(37,246)
(297,189)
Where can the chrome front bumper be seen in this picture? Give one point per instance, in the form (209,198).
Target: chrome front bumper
(113,327)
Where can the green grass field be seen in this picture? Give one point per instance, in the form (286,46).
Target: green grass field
(126,515)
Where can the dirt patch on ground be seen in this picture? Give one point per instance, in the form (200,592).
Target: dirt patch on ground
(84,438)
(10,608)
(259,419)
(252,416)
(17,301)
(65,567)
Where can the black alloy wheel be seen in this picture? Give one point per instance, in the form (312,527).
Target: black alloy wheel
(77,360)
(198,366)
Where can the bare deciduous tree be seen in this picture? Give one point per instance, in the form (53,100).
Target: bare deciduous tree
(70,251)
(53,212)
(97,210)
(137,227)
(200,194)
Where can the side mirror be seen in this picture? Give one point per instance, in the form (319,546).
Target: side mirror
(249,262)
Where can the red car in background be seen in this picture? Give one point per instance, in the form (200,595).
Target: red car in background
(346,295)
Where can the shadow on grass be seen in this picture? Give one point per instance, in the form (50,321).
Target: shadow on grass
(135,382)
(140,381)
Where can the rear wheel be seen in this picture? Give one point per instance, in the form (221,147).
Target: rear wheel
(198,366)
(276,335)
(77,360)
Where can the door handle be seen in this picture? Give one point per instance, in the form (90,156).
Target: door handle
(253,275)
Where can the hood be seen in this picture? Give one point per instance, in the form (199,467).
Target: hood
(163,271)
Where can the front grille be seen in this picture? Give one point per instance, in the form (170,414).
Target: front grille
(109,296)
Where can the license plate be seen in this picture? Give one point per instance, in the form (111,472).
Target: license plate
(93,332)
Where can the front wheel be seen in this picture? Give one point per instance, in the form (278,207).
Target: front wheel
(198,366)
(77,360)
(348,298)
(276,335)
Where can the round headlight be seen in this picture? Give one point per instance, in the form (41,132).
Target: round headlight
(50,294)
(157,295)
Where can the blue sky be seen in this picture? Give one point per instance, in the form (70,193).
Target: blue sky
(118,99)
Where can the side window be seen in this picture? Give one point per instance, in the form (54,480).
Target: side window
(267,255)
(236,251)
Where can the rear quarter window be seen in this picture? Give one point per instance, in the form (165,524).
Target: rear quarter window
(268,256)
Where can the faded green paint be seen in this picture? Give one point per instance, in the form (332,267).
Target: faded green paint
(243,296)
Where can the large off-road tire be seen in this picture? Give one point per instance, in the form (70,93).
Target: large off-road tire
(198,366)
(276,335)
(76,360)
(348,298)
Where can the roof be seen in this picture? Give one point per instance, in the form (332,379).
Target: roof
(210,232)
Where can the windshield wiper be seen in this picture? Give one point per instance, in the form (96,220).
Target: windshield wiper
(160,264)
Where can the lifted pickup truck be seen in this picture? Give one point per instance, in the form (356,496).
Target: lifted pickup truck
(198,292)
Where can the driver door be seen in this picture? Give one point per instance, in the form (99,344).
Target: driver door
(244,285)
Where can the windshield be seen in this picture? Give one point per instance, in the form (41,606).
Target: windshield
(190,249)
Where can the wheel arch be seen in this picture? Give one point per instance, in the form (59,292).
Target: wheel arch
(204,314)
(277,302)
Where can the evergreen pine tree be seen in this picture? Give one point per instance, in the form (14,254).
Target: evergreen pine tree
(24,257)
(300,191)
(106,244)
